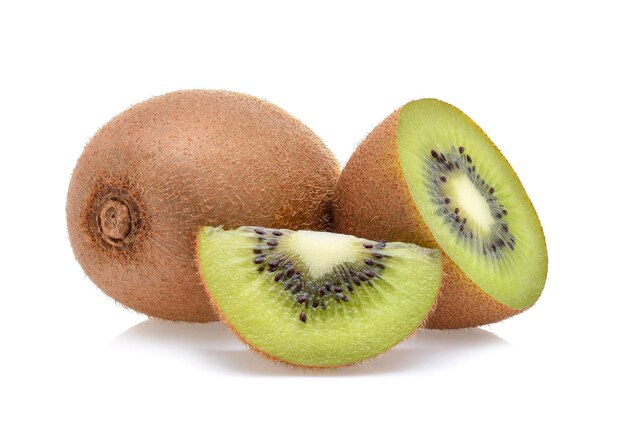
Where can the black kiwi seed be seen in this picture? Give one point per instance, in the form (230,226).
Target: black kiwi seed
(272,243)
(303,317)
(362,276)
(442,178)
(434,154)
(258,260)
(447,200)
(290,272)
(278,276)
(356,280)
(369,261)
(368,245)
(491,190)
(370,274)
(277,233)
(259,231)
(345,298)
(337,289)
(469,159)
(316,303)
(257,251)
(377,255)
(302,299)
(461,150)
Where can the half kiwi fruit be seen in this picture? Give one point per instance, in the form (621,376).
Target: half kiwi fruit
(429,175)
(156,173)
(317,299)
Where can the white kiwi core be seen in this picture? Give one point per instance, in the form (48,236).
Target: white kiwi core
(322,251)
(464,194)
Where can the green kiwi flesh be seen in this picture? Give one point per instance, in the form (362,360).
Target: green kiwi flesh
(472,201)
(317,299)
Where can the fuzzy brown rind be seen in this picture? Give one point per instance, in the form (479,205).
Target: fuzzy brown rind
(181,161)
(373,201)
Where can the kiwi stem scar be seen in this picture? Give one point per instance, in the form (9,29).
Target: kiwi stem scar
(115,221)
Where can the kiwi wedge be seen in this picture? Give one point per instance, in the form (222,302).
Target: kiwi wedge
(159,171)
(317,299)
(429,175)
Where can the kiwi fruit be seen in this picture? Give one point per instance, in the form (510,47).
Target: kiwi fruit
(317,299)
(156,173)
(429,175)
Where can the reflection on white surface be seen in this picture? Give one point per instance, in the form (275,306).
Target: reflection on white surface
(213,345)
(178,335)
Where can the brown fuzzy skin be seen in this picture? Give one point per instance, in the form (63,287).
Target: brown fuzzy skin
(373,201)
(156,173)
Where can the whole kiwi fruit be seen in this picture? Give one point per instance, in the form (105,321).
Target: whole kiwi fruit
(157,172)
(429,175)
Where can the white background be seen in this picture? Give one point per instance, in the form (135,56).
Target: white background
(545,80)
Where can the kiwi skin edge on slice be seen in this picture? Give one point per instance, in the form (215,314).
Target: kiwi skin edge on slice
(418,177)
(317,299)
